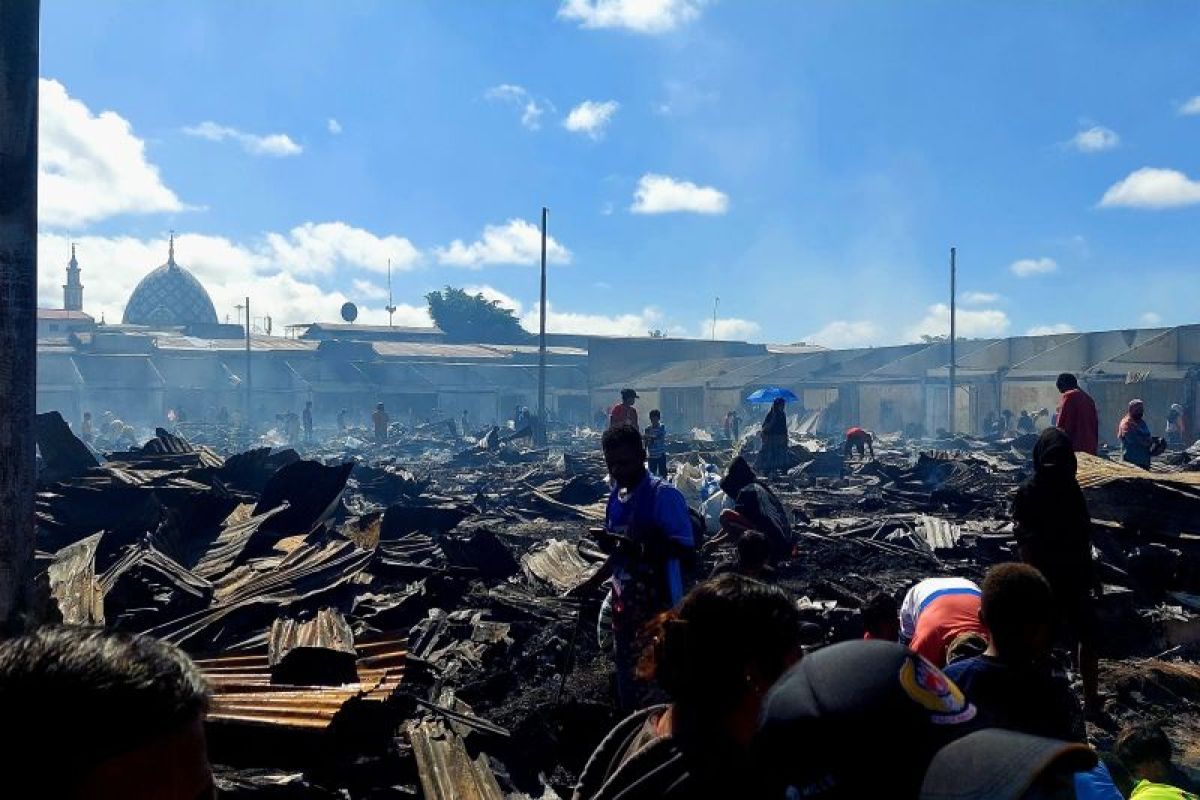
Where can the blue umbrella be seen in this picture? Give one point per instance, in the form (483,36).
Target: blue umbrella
(771,394)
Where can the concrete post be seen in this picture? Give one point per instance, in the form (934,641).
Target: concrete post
(18,303)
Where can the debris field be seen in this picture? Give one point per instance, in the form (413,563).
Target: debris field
(391,620)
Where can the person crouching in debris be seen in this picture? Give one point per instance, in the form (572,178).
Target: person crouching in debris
(1014,683)
(940,616)
(860,440)
(1054,532)
(755,507)
(648,538)
(145,700)
(380,419)
(716,656)
(656,445)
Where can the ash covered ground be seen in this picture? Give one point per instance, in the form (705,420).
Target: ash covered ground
(390,621)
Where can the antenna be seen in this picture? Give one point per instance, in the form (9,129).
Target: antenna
(390,307)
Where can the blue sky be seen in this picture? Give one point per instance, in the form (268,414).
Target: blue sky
(810,163)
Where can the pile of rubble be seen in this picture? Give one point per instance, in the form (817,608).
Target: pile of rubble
(393,620)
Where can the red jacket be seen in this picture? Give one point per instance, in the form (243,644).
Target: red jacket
(1077,418)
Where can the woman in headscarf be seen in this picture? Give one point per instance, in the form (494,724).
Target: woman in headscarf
(1135,437)
(1174,433)
(775,454)
(1054,531)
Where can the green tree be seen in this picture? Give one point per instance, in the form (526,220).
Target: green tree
(474,318)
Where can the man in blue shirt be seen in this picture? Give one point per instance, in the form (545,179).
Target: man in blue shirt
(656,445)
(647,535)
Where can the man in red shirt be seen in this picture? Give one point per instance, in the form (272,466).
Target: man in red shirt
(624,413)
(1077,416)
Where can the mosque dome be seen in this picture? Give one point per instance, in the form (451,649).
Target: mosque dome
(169,295)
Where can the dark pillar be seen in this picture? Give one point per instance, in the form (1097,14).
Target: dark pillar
(18,302)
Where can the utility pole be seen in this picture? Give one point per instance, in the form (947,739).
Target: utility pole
(953,331)
(18,301)
(390,307)
(540,428)
(716,302)
(249,407)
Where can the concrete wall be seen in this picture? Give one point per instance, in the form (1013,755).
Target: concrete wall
(889,407)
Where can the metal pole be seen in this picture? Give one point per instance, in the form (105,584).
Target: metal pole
(249,400)
(716,302)
(540,428)
(953,331)
(18,301)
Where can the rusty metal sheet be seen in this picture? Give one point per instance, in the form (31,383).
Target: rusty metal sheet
(318,651)
(73,583)
(244,695)
(446,770)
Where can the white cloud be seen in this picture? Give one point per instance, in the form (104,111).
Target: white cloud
(326,246)
(729,328)
(640,16)
(1025,267)
(369,290)
(1095,139)
(662,194)
(631,324)
(92,166)
(515,242)
(277,145)
(1151,318)
(847,333)
(1151,187)
(493,294)
(519,97)
(981,323)
(1050,330)
(979,298)
(229,271)
(1191,107)
(334,126)
(591,117)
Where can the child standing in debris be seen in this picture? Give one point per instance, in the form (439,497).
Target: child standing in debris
(656,444)
(1054,531)
(647,536)
(716,656)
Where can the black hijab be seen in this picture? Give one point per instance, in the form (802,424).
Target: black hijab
(1049,510)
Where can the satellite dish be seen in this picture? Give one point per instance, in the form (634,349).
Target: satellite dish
(349,312)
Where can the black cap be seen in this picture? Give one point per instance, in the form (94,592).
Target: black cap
(858,719)
(1000,765)
(628,393)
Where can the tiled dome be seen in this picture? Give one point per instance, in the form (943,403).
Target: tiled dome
(170,295)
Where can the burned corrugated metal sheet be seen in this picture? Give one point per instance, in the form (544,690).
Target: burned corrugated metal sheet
(73,583)
(243,693)
(310,489)
(559,564)
(1166,503)
(939,534)
(318,651)
(447,771)
(63,454)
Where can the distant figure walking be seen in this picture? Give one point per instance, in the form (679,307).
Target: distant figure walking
(341,420)
(774,454)
(1025,423)
(624,413)
(656,445)
(1175,428)
(1077,416)
(381,419)
(85,430)
(308,422)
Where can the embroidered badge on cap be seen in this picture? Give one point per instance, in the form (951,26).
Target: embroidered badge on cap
(927,686)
